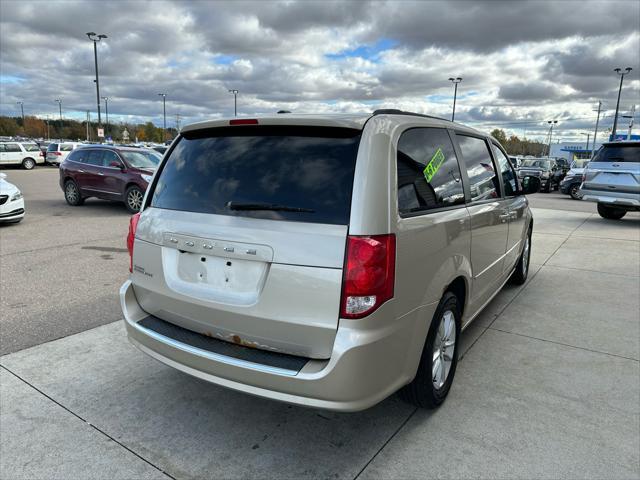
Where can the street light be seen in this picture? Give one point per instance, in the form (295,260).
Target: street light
(235,102)
(588,137)
(552,123)
(106,111)
(622,74)
(164,115)
(455,82)
(22,110)
(60,106)
(95,38)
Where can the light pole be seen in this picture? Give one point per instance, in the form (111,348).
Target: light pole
(21,110)
(595,134)
(106,111)
(455,82)
(552,123)
(95,38)
(164,115)
(622,74)
(588,137)
(235,102)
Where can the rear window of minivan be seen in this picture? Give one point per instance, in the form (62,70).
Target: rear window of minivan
(302,174)
(618,153)
(53,147)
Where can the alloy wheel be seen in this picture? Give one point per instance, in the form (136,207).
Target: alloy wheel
(444,345)
(71,192)
(134,199)
(525,256)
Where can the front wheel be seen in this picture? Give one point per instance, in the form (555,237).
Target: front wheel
(28,163)
(133,199)
(520,274)
(439,358)
(574,191)
(610,213)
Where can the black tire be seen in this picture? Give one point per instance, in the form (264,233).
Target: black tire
(72,193)
(574,191)
(610,213)
(547,188)
(422,392)
(520,274)
(28,163)
(133,198)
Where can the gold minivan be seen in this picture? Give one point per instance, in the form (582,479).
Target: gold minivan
(324,260)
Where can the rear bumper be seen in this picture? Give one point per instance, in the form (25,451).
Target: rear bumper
(367,363)
(618,199)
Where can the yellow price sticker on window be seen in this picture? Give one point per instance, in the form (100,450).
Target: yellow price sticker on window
(434,165)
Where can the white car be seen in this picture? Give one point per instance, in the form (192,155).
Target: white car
(11,202)
(57,152)
(26,154)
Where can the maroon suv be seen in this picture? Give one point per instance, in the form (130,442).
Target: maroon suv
(108,172)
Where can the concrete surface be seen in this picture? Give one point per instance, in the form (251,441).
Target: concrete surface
(548,385)
(49,263)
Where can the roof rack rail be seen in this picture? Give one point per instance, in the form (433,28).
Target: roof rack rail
(395,111)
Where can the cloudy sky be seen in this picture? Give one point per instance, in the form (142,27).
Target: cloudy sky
(522,63)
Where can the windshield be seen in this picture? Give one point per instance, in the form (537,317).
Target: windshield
(545,164)
(141,159)
(618,153)
(302,174)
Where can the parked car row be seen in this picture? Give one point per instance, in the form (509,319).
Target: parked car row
(27,154)
(550,171)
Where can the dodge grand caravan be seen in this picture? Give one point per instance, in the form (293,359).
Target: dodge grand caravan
(326,261)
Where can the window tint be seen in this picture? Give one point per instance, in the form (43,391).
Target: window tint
(79,155)
(12,147)
(94,157)
(428,171)
(53,147)
(306,168)
(109,157)
(618,153)
(508,175)
(31,147)
(483,181)
(66,147)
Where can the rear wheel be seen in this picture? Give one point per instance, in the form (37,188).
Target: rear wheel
(610,213)
(574,191)
(72,193)
(133,199)
(439,358)
(28,163)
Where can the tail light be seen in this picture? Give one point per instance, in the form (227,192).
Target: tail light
(133,226)
(243,121)
(369,274)
(57,154)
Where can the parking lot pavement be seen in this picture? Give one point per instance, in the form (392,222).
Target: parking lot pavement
(548,387)
(61,267)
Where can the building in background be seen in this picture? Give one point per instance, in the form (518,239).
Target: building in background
(573,150)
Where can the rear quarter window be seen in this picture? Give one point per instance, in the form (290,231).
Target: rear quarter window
(309,169)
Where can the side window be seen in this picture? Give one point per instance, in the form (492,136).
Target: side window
(12,147)
(508,175)
(94,157)
(483,181)
(53,147)
(1,147)
(66,147)
(110,157)
(428,171)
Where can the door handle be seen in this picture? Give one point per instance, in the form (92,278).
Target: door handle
(81,171)
(100,173)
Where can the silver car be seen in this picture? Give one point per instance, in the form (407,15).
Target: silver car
(325,261)
(612,179)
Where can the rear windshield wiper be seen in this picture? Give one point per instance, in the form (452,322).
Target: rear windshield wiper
(266,206)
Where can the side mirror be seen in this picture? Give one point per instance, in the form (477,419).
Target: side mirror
(116,165)
(530,185)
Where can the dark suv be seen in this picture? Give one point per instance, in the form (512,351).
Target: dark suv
(547,170)
(110,173)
